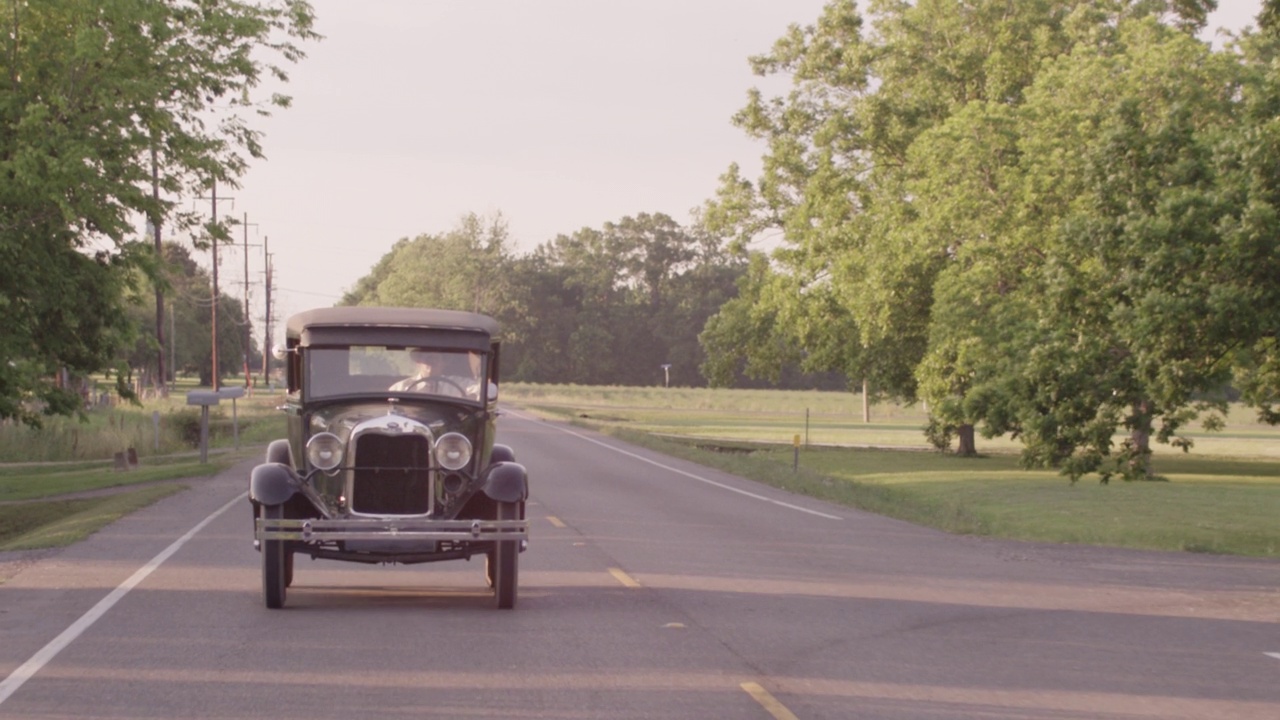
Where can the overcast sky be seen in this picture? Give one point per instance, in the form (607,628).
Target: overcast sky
(560,114)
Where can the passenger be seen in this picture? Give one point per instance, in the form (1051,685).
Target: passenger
(475,362)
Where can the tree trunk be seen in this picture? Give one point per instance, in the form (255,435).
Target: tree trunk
(965,445)
(1140,442)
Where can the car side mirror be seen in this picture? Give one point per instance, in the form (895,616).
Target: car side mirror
(491,397)
(279,352)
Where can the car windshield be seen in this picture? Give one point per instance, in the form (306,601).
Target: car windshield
(373,369)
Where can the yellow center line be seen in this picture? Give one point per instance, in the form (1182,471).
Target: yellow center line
(556,521)
(768,702)
(624,578)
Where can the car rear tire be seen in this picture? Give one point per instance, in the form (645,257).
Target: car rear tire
(275,563)
(505,564)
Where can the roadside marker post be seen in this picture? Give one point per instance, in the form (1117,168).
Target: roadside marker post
(233,393)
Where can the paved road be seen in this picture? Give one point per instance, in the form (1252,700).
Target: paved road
(652,588)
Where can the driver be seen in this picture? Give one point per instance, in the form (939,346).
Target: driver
(428,376)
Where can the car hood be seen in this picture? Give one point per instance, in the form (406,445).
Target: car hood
(340,418)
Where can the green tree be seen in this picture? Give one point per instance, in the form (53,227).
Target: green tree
(539,320)
(746,336)
(893,164)
(1133,255)
(837,173)
(463,269)
(606,305)
(189,291)
(638,291)
(692,297)
(91,95)
(1269,17)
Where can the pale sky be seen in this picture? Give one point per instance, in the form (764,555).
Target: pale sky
(560,114)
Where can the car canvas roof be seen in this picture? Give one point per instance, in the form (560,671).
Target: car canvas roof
(390,324)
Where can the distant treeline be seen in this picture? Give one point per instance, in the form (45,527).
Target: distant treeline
(607,306)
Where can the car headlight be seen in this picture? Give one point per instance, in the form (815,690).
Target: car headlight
(324,451)
(453,451)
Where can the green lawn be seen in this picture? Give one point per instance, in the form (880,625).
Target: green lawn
(818,417)
(1223,497)
(1207,504)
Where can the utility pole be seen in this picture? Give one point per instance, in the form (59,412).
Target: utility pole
(248,379)
(266,319)
(213,332)
(214,335)
(160,382)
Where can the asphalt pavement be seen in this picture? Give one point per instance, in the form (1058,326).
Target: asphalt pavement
(652,588)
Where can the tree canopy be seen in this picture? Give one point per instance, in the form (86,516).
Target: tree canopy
(98,99)
(1054,219)
(188,322)
(1048,218)
(608,305)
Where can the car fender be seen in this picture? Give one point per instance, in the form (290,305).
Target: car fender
(502,453)
(273,484)
(278,452)
(506,482)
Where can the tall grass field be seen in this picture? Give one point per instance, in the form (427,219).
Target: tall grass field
(61,482)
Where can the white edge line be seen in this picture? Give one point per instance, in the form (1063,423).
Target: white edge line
(682,472)
(28,669)
(1275,655)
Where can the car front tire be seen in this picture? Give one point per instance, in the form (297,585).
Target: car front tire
(505,565)
(276,563)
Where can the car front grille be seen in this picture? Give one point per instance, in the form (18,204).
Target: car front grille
(391,475)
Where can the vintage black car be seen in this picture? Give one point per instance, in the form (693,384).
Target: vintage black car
(390,456)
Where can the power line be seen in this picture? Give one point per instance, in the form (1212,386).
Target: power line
(308,292)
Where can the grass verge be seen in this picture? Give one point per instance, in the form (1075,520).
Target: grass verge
(44,506)
(1212,505)
(58,523)
(30,482)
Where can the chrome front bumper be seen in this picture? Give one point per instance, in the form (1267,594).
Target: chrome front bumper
(408,529)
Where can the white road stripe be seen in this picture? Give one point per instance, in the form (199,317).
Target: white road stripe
(682,472)
(28,669)
(1274,655)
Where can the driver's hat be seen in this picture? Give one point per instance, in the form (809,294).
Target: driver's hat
(424,355)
